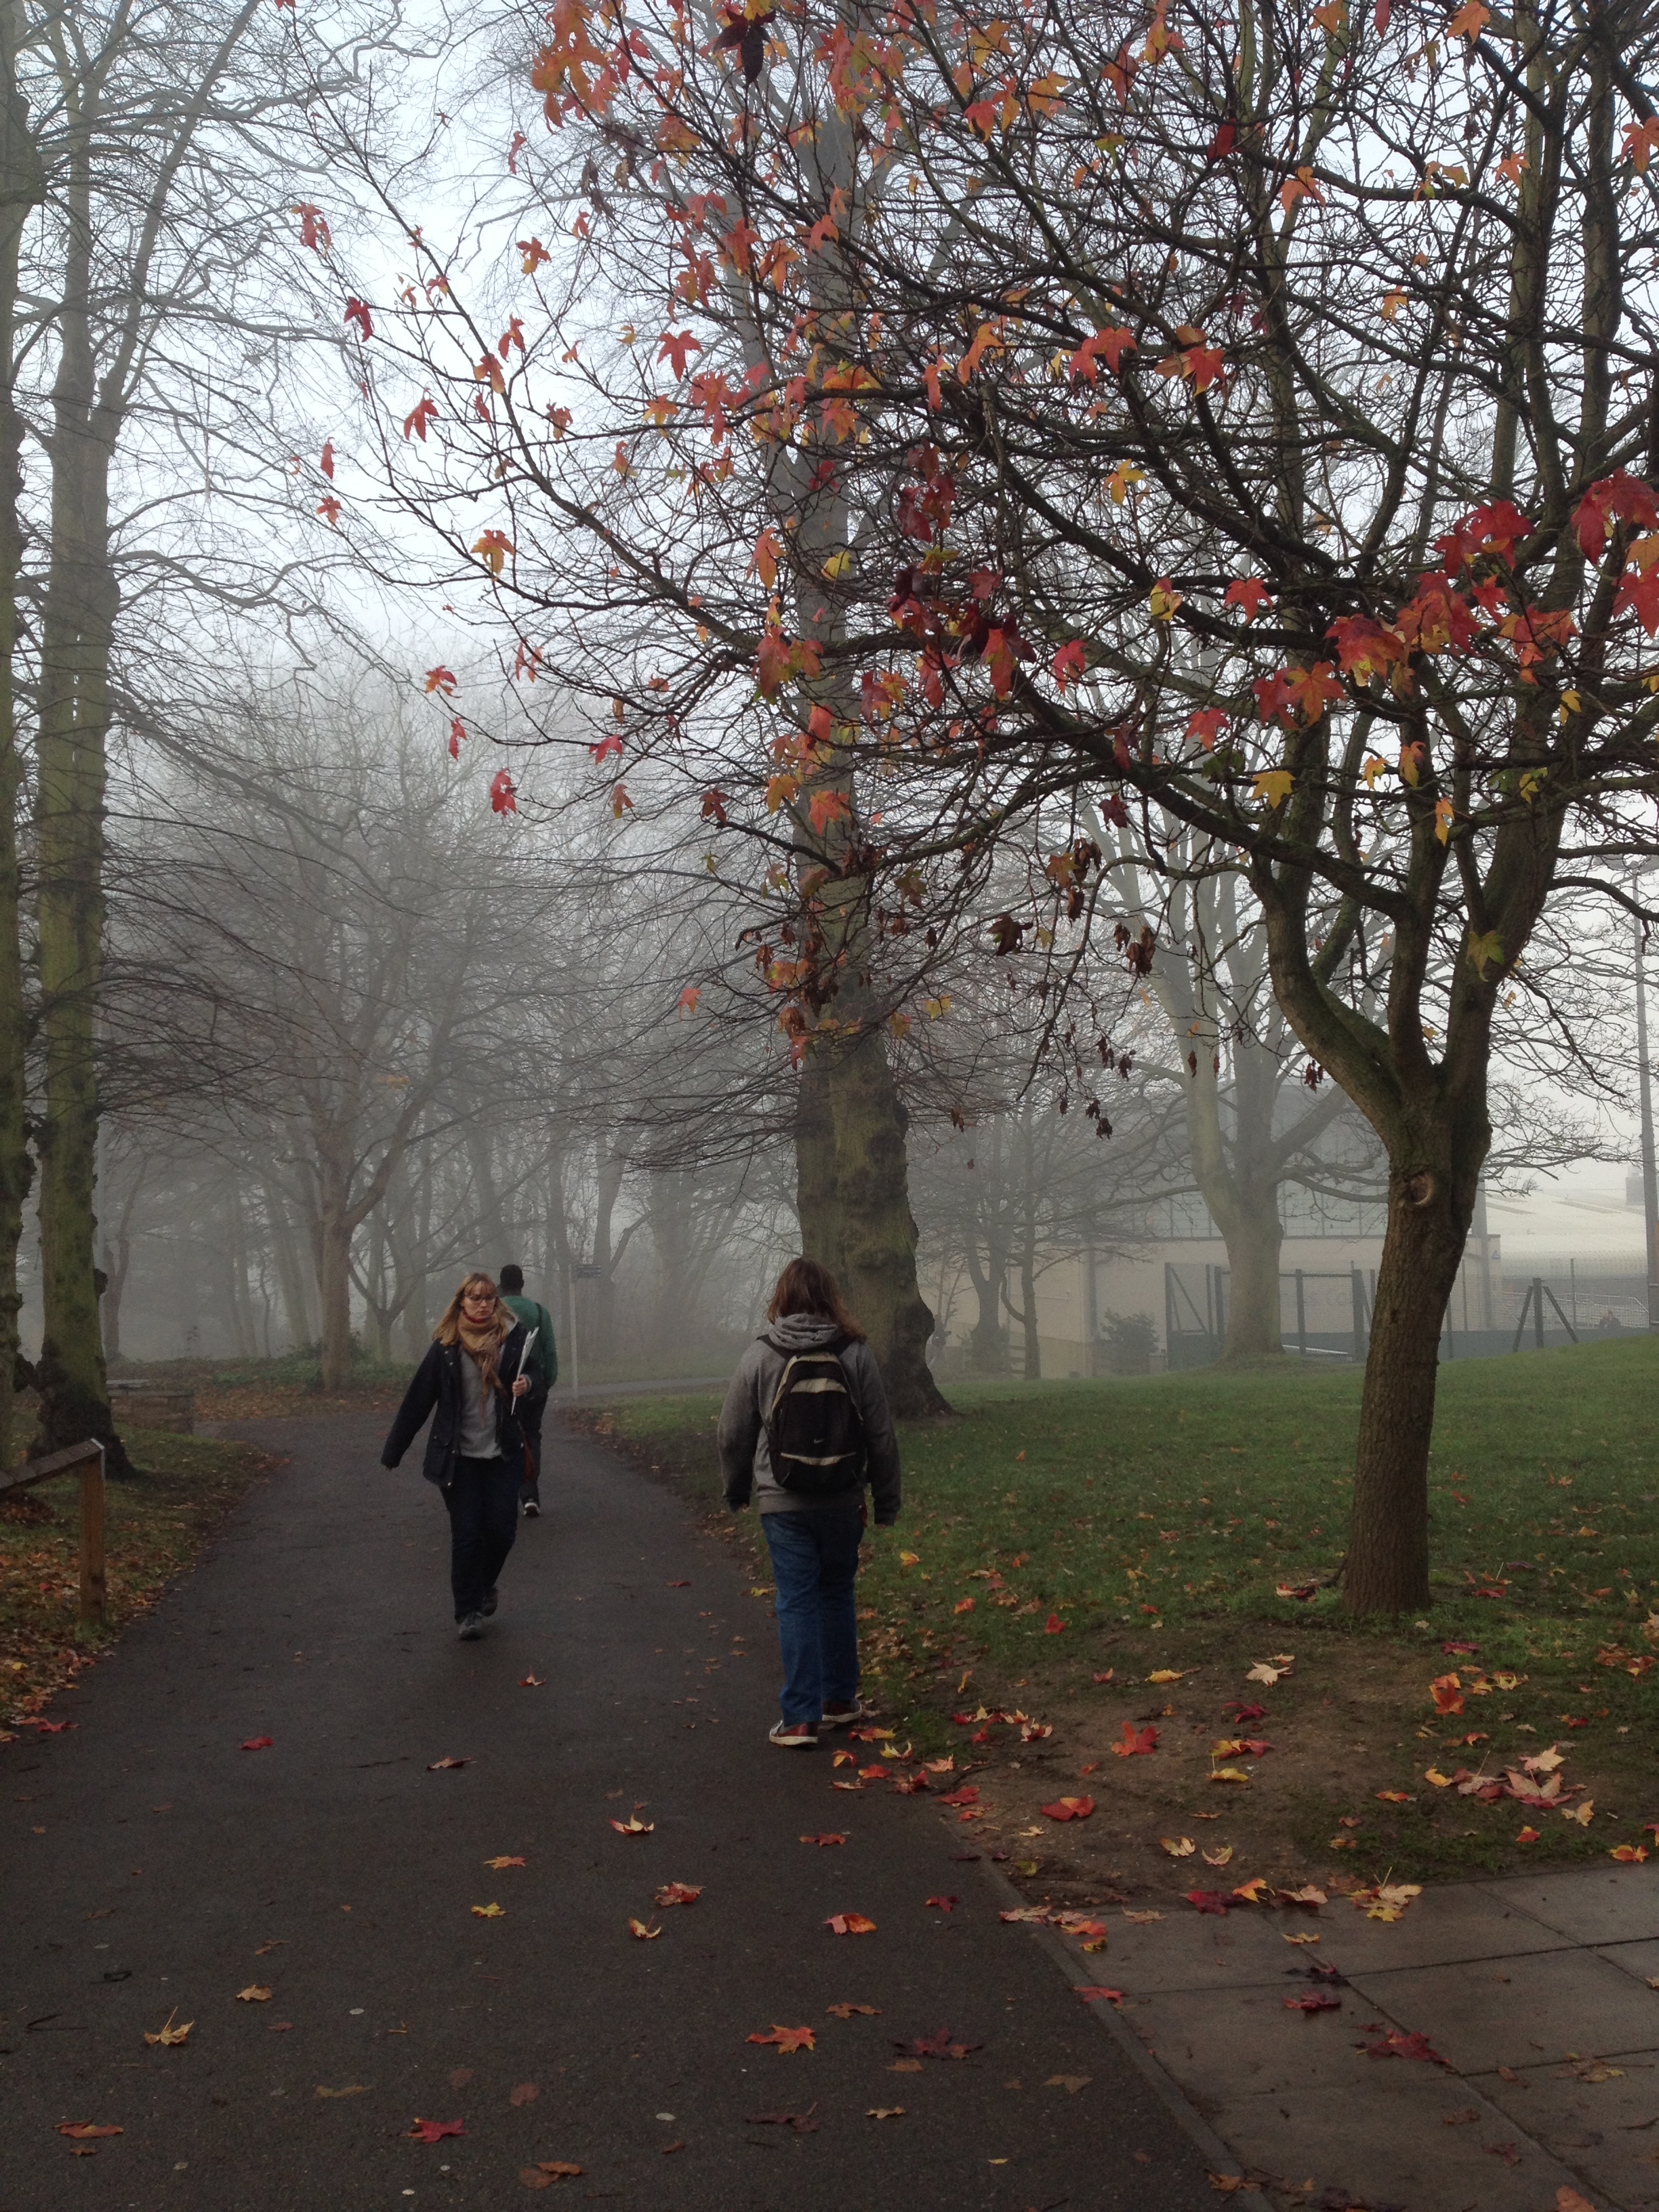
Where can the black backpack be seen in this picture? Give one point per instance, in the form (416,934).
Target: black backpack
(814,1431)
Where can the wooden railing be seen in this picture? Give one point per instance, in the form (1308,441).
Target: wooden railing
(89,1458)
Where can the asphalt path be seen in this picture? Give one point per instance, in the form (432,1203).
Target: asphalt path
(154,1869)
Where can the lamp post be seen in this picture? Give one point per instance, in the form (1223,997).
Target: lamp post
(1650,1180)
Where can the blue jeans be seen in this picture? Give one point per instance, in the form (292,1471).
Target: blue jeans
(814,1560)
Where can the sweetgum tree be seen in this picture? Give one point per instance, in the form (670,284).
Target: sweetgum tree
(1239,422)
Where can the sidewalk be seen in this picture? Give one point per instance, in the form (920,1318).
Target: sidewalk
(1535,1992)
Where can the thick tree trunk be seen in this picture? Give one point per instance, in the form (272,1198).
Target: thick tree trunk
(878,1231)
(815,1161)
(1254,1235)
(988,1341)
(1387,1569)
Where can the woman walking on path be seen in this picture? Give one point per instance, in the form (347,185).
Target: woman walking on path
(475,1453)
(804,1428)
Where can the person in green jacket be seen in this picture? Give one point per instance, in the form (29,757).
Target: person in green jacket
(542,1364)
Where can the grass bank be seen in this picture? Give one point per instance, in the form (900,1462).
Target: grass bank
(1063,1544)
(155,1527)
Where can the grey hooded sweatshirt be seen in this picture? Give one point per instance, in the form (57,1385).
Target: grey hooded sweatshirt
(745,1461)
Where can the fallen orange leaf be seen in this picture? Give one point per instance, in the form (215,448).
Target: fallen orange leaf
(646,1935)
(633,1826)
(1069,1808)
(850,1923)
(787,2039)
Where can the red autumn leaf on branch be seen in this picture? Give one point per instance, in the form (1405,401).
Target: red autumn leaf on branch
(676,345)
(356,312)
(313,228)
(457,731)
(787,2039)
(431,2132)
(1068,1809)
(1136,1744)
(503,798)
(441,680)
(1248,592)
(1622,498)
(1069,663)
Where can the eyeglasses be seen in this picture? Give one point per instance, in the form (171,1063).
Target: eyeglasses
(479,1298)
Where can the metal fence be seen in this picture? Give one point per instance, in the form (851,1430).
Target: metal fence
(1325,1314)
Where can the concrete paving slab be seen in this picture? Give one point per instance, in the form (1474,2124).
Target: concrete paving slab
(1403,2142)
(1517,2012)
(1189,1950)
(1592,1905)
(1247,2042)
(1608,2129)
(1467,1920)
(1641,1960)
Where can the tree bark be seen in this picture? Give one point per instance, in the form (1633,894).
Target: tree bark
(878,1231)
(1254,1235)
(1387,1568)
(334,1235)
(815,1160)
(21,185)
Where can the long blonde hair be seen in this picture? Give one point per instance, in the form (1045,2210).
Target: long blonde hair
(484,1346)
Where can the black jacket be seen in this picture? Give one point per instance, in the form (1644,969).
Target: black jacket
(437,1384)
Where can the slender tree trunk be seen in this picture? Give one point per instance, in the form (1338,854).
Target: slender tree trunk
(77,629)
(1031,1347)
(334,1294)
(1387,1569)
(290,1271)
(21,187)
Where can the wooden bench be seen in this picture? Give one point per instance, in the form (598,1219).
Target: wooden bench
(89,1458)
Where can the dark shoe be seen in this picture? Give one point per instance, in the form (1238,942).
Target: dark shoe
(837,1716)
(492,1598)
(470,1628)
(796,1735)
(533,1511)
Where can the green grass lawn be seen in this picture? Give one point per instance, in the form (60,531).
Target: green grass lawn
(1155,1519)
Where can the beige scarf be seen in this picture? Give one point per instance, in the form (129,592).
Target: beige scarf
(483,1345)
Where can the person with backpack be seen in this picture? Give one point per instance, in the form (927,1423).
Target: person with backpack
(471,1382)
(542,1365)
(804,1428)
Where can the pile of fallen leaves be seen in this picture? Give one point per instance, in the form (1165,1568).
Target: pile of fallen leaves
(154,1526)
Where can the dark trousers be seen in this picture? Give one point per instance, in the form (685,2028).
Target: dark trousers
(483,1519)
(530,1421)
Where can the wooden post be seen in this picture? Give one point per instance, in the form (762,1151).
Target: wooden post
(91,1540)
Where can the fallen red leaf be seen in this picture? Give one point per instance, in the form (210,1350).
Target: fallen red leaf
(1243,1714)
(787,2038)
(945,1904)
(532,1681)
(850,1923)
(1397,2045)
(1461,1650)
(684,1585)
(257,1743)
(1053,1626)
(940,2045)
(968,1794)
(847,2011)
(1107,1676)
(1095,1992)
(1313,2003)
(1207,1900)
(1068,1809)
(1136,1746)
(430,2131)
(678,1893)
(821,1841)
